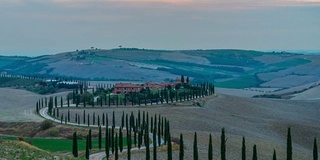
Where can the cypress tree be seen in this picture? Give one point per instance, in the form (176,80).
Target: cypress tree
(181,148)
(100,138)
(90,140)
(84,116)
(94,118)
(139,138)
(112,140)
(159,133)
(146,140)
(195,147)
(129,144)
(169,150)
(61,102)
(109,142)
(75,145)
(103,120)
(122,119)
(120,139)
(87,147)
(243,149)
(223,145)
(56,101)
(68,115)
(98,120)
(210,152)
(113,119)
(116,147)
(274,157)
(84,101)
(289,145)
(58,112)
(106,150)
(54,113)
(109,100)
(315,149)
(254,156)
(154,136)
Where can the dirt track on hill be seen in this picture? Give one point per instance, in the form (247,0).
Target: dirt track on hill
(262,121)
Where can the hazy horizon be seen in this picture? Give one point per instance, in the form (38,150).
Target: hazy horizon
(34,27)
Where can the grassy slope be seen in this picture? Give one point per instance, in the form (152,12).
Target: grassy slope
(23,151)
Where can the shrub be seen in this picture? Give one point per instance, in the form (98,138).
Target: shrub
(53,132)
(46,124)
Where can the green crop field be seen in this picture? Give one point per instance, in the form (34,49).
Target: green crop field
(55,145)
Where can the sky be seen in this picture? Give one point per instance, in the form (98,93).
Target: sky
(37,27)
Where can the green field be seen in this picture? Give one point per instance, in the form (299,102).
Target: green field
(241,82)
(60,145)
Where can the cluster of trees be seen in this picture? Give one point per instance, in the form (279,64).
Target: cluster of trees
(137,129)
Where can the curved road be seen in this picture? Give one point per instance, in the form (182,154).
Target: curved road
(99,155)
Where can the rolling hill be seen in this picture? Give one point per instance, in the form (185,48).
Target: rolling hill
(227,68)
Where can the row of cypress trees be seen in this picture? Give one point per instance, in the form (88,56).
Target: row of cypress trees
(114,142)
(165,96)
(137,133)
(243,150)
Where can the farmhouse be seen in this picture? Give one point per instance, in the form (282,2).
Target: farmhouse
(124,88)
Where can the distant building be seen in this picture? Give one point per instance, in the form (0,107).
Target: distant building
(158,86)
(124,88)
(178,80)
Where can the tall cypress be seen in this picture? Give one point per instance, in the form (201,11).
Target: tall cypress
(223,145)
(154,136)
(122,119)
(129,144)
(254,156)
(315,149)
(103,120)
(84,116)
(289,145)
(61,102)
(116,147)
(75,145)
(112,139)
(210,152)
(146,139)
(99,120)
(274,157)
(243,149)
(195,147)
(87,147)
(90,140)
(181,148)
(169,150)
(113,119)
(107,142)
(100,138)
(120,139)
